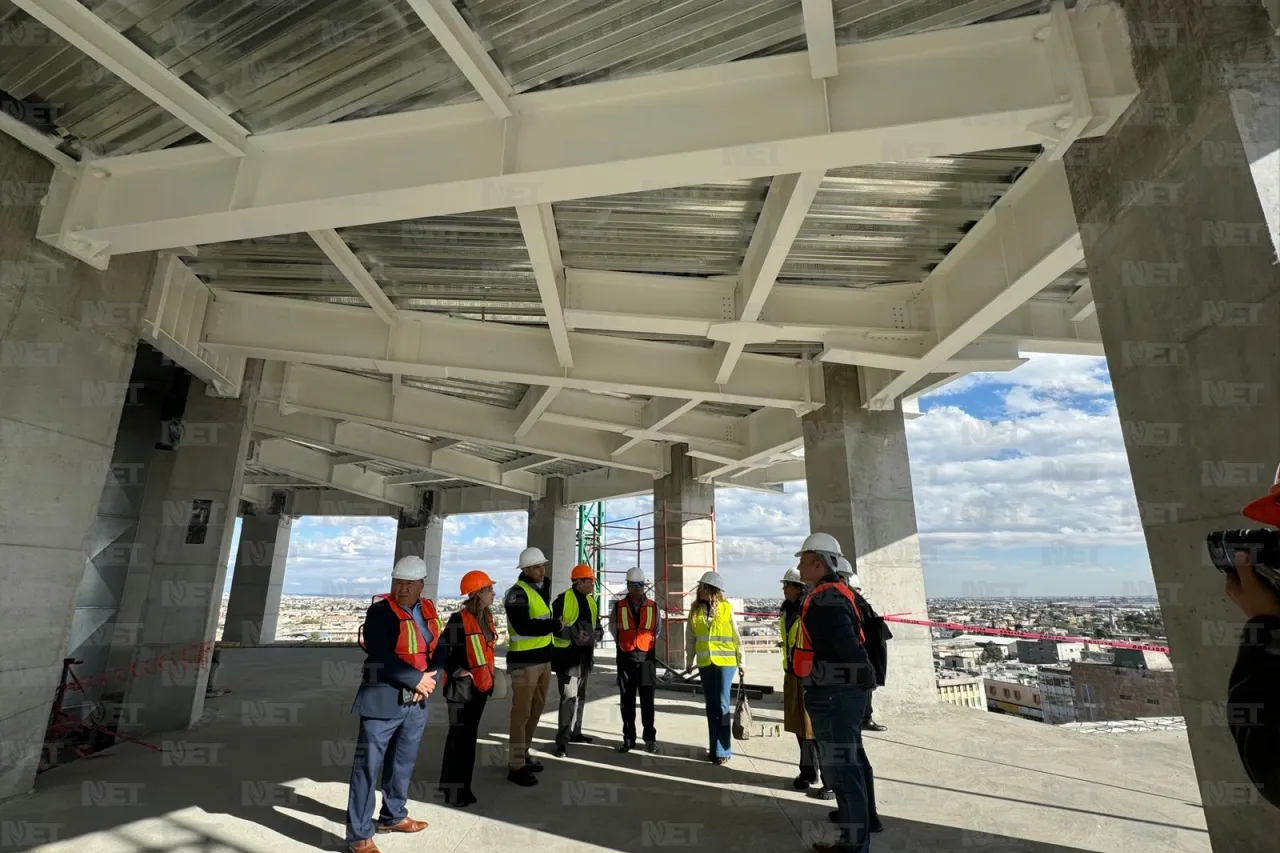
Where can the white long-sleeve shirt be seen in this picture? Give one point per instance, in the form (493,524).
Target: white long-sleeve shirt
(690,643)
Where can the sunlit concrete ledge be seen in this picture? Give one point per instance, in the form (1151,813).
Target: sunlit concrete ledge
(266,771)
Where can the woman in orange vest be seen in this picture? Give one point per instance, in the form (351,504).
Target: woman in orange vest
(471,637)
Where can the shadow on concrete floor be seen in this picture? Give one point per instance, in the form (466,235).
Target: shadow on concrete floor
(231,786)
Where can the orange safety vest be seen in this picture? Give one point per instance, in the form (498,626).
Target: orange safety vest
(637,637)
(480,650)
(802,654)
(411,646)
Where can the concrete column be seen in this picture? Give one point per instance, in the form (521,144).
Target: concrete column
(186,532)
(253,607)
(423,536)
(683,546)
(68,334)
(1177,209)
(553,527)
(859,482)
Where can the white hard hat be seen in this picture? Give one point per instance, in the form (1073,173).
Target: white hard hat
(635,575)
(712,579)
(531,557)
(792,575)
(843,567)
(409,569)
(823,543)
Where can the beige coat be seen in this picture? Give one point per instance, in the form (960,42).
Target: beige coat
(795,719)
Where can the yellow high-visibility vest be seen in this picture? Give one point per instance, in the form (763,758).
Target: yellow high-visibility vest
(714,642)
(538,609)
(570,614)
(789,639)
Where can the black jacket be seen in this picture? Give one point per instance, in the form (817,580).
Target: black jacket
(574,656)
(455,642)
(1253,704)
(877,635)
(385,674)
(516,605)
(839,659)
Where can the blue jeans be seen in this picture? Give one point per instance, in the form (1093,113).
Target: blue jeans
(717,683)
(392,747)
(836,714)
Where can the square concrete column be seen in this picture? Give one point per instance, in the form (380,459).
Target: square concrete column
(421,535)
(185,534)
(859,483)
(68,334)
(683,546)
(1178,211)
(553,527)
(253,607)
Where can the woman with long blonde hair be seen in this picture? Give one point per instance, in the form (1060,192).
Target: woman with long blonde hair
(712,641)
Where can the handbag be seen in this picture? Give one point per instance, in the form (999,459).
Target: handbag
(500,684)
(742,722)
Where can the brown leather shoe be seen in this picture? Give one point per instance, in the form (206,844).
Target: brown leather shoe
(406,825)
(366,846)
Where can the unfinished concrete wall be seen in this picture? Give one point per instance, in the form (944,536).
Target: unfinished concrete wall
(67,339)
(859,483)
(257,583)
(1177,211)
(683,548)
(553,527)
(422,535)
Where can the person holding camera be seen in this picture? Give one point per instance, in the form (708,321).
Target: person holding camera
(1250,559)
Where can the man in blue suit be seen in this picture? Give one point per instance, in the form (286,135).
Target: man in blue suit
(401,639)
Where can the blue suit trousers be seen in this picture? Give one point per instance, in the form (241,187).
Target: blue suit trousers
(385,749)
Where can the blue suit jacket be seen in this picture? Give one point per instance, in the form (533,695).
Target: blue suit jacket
(385,674)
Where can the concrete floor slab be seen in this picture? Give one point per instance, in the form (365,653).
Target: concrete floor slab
(267,772)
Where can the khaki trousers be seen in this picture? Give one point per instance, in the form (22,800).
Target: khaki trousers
(529,685)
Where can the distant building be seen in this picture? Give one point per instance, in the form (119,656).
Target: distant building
(1048,651)
(962,691)
(1124,692)
(1019,698)
(1057,695)
(1006,645)
(963,659)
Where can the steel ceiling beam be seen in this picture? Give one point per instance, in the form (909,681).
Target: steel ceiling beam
(293,330)
(98,40)
(342,257)
(974,88)
(1026,241)
(784,211)
(346,396)
(467,52)
(391,448)
(820,36)
(316,467)
(539,227)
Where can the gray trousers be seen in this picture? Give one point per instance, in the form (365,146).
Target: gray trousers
(573,697)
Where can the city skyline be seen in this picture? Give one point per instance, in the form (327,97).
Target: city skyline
(1021,482)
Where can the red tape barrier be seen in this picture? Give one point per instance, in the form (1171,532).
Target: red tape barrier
(973,629)
(196,655)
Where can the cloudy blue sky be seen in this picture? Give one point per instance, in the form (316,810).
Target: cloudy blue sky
(1021,488)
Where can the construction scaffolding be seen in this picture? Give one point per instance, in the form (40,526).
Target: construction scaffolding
(664,542)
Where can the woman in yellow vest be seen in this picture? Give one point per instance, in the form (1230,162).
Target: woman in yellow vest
(795,718)
(711,639)
(471,637)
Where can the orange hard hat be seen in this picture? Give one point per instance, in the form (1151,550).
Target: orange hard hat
(1266,510)
(473,582)
(581,571)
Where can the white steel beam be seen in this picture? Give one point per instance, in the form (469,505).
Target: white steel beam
(638,420)
(533,405)
(539,227)
(84,30)
(392,448)
(971,88)
(475,500)
(292,330)
(1027,240)
(820,35)
(606,484)
(175,315)
(524,463)
(341,256)
(785,208)
(419,479)
(1082,302)
(467,52)
(41,143)
(316,467)
(769,434)
(788,471)
(368,400)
